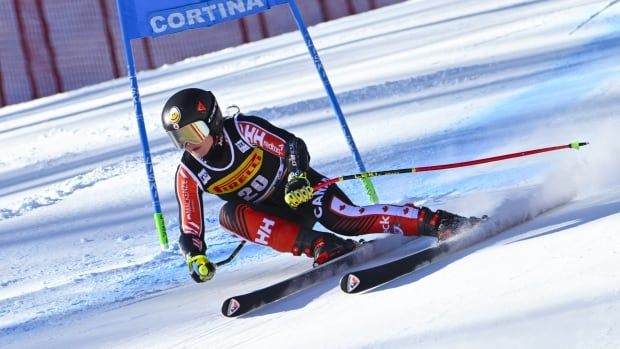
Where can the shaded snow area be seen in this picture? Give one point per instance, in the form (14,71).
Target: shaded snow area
(421,83)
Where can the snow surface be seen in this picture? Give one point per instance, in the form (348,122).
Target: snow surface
(420,83)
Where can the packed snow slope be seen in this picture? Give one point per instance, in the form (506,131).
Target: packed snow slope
(421,83)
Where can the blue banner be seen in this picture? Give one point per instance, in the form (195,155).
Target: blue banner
(143,18)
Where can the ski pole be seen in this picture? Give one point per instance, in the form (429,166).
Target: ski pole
(573,145)
(232,255)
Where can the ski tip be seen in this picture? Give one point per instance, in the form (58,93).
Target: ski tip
(230,307)
(349,283)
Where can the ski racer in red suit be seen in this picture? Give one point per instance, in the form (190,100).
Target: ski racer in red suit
(263,173)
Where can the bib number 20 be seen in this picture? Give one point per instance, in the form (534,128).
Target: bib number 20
(258,185)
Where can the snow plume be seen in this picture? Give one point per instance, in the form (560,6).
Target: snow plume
(531,203)
(590,171)
(515,209)
(521,204)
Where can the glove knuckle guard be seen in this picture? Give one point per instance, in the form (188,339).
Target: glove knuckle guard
(197,266)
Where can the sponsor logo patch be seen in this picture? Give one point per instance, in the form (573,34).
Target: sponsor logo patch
(233,306)
(264,231)
(174,115)
(201,107)
(256,135)
(352,283)
(203,176)
(317,202)
(240,176)
(242,146)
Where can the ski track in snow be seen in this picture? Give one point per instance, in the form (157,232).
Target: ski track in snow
(60,191)
(91,290)
(51,301)
(582,24)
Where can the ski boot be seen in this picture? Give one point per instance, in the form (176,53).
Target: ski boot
(443,224)
(323,247)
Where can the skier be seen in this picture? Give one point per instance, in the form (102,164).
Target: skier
(263,173)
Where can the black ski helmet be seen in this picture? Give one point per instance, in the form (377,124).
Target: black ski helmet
(187,107)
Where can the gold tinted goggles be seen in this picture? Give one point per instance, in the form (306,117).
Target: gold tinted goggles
(193,133)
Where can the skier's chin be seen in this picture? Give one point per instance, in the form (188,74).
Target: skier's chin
(202,149)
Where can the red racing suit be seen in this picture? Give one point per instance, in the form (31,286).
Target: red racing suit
(248,169)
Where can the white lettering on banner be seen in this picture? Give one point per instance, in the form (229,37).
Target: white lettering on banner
(222,10)
(194,16)
(264,231)
(209,10)
(205,15)
(236,7)
(157,24)
(176,20)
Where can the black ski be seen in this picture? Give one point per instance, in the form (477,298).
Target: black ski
(242,304)
(362,280)
(365,279)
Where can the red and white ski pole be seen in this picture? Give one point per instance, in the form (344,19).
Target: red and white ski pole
(573,145)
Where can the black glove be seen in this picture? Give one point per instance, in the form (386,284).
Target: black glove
(200,268)
(297,189)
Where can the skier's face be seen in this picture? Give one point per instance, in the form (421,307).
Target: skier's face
(201,149)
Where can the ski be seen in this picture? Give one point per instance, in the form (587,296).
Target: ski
(242,304)
(365,279)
